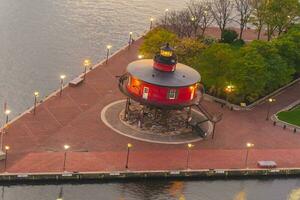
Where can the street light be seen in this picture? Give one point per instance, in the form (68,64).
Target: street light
(140,56)
(60,195)
(62,77)
(2,134)
(130,39)
(248,146)
(229,89)
(128,151)
(36,95)
(87,64)
(270,101)
(151,23)
(7,112)
(108,47)
(66,147)
(166,16)
(6,155)
(189,146)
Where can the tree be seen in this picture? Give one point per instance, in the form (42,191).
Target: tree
(213,65)
(200,15)
(281,14)
(222,12)
(187,49)
(248,75)
(244,9)
(229,36)
(180,22)
(288,46)
(156,39)
(276,15)
(279,72)
(258,15)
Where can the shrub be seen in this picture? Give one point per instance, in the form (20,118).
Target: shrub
(209,40)
(238,43)
(229,36)
(156,39)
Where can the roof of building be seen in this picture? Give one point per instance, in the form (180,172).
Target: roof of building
(182,76)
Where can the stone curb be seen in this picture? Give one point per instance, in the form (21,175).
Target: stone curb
(128,174)
(284,124)
(108,124)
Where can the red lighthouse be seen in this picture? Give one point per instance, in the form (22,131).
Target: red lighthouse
(161,84)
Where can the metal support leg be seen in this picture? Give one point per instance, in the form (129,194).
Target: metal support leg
(189,113)
(141,118)
(126,109)
(213,133)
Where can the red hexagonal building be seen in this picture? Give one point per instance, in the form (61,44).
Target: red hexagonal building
(161,83)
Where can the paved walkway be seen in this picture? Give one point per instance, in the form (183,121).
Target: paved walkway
(37,141)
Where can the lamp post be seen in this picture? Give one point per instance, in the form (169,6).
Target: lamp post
(228,89)
(108,47)
(129,146)
(62,77)
(36,95)
(130,39)
(66,147)
(270,101)
(7,112)
(2,135)
(151,23)
(60,195)
(189,146)
(87,64)
(248,146)
(166,16)
(6,155)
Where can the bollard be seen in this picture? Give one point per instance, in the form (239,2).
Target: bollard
(274,123)
(295,130)
(284,126)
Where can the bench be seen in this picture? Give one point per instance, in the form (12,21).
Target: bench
(76,81)
(266,164)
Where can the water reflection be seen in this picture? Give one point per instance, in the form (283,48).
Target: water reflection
(241,195)
(60,195)
(294,195)
(273,189)
(176,189)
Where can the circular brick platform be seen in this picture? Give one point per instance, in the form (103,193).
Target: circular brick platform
(110,115)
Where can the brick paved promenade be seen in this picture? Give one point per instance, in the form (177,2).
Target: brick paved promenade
(37,141)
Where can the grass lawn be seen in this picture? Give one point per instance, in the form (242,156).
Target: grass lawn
(292,116)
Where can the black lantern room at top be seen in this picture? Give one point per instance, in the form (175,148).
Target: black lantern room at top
(161,82)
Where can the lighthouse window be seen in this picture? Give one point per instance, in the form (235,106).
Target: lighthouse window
(145,93)
(172,94)
(129,80)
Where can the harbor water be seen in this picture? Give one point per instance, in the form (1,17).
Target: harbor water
(42,39)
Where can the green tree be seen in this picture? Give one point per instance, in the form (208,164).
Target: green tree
(156,39)
(229,36)
(258,15)
(281,15)
(248,74)
(278,70)
(187,49)
(276,15)
(214,64)
(288,46)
